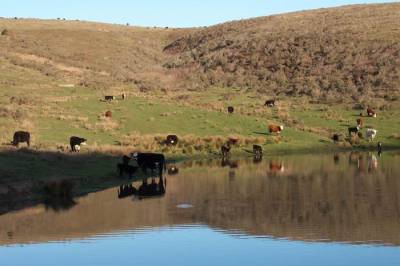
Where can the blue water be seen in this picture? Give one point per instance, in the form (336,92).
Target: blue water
(194,245)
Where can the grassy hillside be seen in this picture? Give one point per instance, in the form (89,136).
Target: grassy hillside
(342,53)
(53,75)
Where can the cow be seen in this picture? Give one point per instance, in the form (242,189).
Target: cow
(354,130)
(173,170)
(171,140)
(226,150)
(233,141)
(360,122)
(109,98)
(76,141)
(371,133)
(371,112)
(275,129)
(270,103)
(108,114)
(21,136)
(126,169)
(336,137)
(257,150)
(230,109)
(151,161)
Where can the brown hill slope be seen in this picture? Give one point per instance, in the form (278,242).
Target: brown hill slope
(344,52)
(347,51)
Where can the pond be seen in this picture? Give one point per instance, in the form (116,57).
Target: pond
(336,209)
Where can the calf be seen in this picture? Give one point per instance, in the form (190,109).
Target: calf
(354,130)
(360,123)
(109,98)
(172,140)
(76,142)
(21,136)
(257,150)
(371,112)
(126,169)
(108,114)
(231,109)
(275,129)
(270,103)
(371,134)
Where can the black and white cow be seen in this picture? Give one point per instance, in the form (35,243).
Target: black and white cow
(76,143)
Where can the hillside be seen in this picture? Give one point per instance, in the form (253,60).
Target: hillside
(323,66)
(343,52)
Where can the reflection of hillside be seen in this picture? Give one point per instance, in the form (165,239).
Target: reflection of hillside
(315,198)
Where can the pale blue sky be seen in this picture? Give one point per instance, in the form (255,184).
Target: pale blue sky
(173,13)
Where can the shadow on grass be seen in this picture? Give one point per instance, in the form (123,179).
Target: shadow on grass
(26,175)
(262,133)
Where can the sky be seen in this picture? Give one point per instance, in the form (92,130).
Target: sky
(172,13)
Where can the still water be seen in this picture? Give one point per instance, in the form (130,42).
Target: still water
(341,209)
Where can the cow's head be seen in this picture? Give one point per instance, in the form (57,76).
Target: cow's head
(83,142)
(280,128)
(134,155)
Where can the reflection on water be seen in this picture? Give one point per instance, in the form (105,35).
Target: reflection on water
(342,198)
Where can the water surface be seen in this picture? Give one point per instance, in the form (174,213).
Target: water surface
(339,209)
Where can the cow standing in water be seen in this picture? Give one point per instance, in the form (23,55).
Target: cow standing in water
(21,136)
(152,161)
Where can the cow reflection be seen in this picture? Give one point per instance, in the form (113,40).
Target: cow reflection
(372,163)
(257,159)
(225,162)
(145,190)
(59,204)
(276,167)
(357,159)
(336,158)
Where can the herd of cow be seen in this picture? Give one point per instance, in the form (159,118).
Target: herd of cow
(156,162)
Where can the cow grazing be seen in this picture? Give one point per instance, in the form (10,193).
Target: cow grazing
(126,169)
(151,161)
(230,109)
(225,150)
(371,112)
(108,114)
(371,133)
(20,137)
(171,140)
(354,130)
(76,141)
(270,103)
(275,129)
(109,98)
(360,122)
(257,150)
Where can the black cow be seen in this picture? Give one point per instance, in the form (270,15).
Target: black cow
(151,161)
(270,103)
(21,136)
(225,150)
(171,140)
(125,159)
(109,98)
(231,109)
(354,130)
(76,143)
(257,150)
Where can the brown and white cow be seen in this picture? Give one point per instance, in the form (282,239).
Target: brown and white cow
(275,129)
(371,112)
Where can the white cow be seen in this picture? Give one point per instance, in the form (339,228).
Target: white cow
(371,133)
